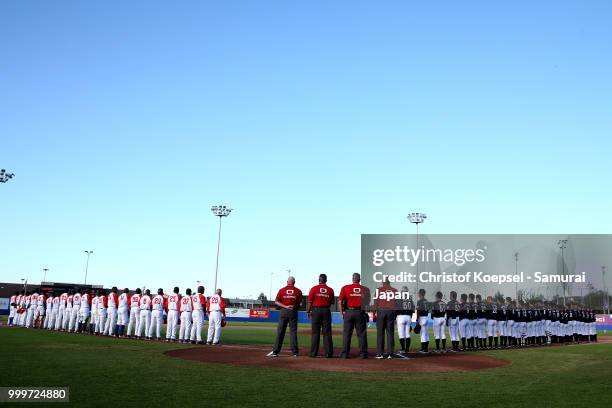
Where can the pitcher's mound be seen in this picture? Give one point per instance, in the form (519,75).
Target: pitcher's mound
(256,356)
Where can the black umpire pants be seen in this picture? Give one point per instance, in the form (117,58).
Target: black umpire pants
(287,318)
(385,324)
(355,319)
(321,323)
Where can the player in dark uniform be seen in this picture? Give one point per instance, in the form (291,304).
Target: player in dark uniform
(288,299)
(481,323)
(464,322)
(472,308)
(403,310)
(453,310)
(438,316)
(320,299)
(492,321)
(352,303)
(422,307)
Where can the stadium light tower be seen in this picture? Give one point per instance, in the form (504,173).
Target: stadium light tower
(417,218)
(5,176)
(219,211)
(45,274)
(562,245)
(270,293)
(87,265)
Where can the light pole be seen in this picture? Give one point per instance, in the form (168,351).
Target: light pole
(563,244)
(516,258)
(270,293)
(25,284)
(87,265)
(417,218)
(5,176)
(198,284)
(45,274)
(219,211)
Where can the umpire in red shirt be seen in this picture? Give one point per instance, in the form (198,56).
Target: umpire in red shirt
(352,302)
(320,298)
(384,312)
(288,299)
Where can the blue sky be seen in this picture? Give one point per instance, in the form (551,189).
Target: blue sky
(316,121)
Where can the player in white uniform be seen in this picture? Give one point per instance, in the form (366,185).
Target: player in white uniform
(93,322)
(111,313)
(31,309)
(54,313)
(172,309)
(123,312)
(134,312)
(74,313)
(197,316)
(49,307)
(12,308)
(84,313)
(185,310)
(59,316)
(39,313)
(157,315)
(24,302)
(216,315)
(67,311)
(102,306)
(144,321)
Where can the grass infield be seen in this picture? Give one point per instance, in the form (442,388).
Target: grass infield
(102,371)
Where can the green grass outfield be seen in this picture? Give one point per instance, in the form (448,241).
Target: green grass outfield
(102,371)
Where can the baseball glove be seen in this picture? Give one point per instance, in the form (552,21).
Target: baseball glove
(223,323)
(417,329)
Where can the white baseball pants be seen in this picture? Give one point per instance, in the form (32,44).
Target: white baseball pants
(492,328)
(59,318)
(171,325)
(144,322)
(424,322)
(101,321)
(438,328)
(214,326)
(111,321)
(185,329)
(134,320)
(403,323)
(196,326)
(453,328)
(157,318)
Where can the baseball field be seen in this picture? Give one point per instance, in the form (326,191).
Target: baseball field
(103,370)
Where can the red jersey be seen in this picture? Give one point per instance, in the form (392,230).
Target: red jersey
(321,296)
(289,295)
(355,295)
(172,302)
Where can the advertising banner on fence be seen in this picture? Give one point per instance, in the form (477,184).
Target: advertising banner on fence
(233,312)
(259,314)
(603,320)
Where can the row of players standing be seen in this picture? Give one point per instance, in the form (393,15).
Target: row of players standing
(470,320)
(109,313)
